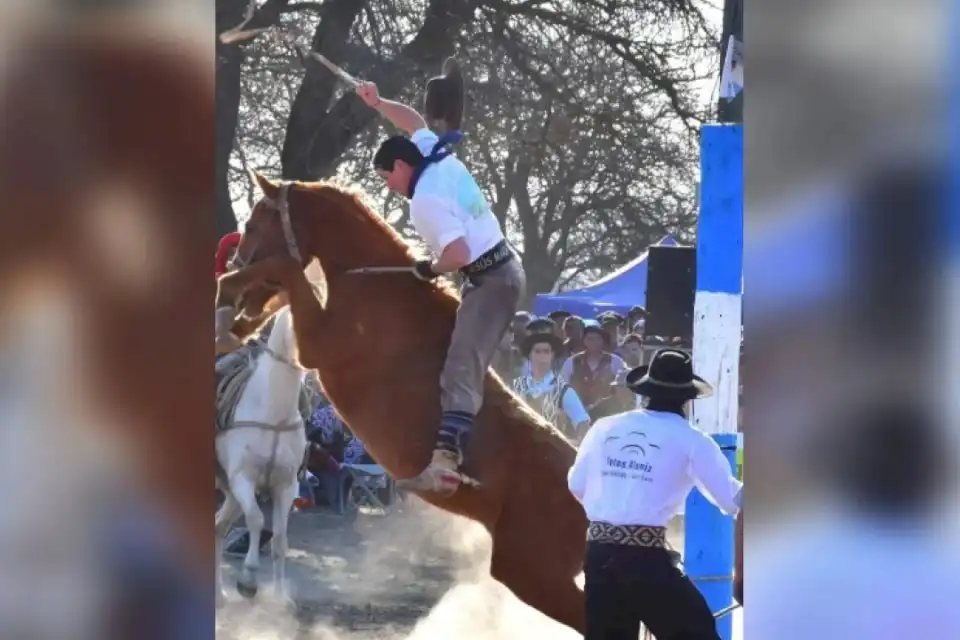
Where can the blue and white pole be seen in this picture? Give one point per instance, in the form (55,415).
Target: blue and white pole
(708,548)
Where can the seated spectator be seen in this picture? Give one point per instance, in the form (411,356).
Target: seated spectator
(546,392)
(592,371)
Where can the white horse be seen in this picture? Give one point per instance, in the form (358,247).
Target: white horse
(263,450)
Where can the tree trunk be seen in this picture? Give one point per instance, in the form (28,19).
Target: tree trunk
(229,62)
(317,133)
(309,108)
(229,59)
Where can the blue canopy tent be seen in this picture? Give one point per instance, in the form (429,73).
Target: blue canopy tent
(618,291)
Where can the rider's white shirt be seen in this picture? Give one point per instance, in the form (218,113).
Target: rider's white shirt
(447,204)
(637,468)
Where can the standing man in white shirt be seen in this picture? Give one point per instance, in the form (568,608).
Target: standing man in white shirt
(453,217)
(632,474)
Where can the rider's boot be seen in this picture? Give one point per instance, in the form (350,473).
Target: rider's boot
(443,474)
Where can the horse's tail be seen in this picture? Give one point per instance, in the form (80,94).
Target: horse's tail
(445,98)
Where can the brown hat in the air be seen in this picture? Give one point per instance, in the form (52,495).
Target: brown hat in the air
(443,102)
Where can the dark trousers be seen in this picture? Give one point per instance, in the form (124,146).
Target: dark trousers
(625,586)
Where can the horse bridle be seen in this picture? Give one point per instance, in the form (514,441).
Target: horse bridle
(282,206)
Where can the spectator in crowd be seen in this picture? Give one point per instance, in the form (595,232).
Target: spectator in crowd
(548,393)
(328,431)
(558,318)
(541,326)
(637,315)
(538,325)
(226,250)
(508,360)
(573,335)
(631,350)
(592,371)
(613,323)
(519,326)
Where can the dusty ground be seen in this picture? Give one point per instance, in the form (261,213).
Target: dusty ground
(417,574)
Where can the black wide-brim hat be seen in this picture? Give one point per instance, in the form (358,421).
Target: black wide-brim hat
(670,373)
(532,339)
(541,325)
(560,314)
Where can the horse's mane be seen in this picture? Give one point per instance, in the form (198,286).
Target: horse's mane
(357,203)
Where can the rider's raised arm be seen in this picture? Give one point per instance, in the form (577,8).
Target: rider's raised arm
(403,117)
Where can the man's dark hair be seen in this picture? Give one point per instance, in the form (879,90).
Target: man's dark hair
(397,148)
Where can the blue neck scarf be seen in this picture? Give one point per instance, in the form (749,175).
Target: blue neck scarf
(440,151)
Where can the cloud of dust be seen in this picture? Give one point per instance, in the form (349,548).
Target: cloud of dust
(421,560)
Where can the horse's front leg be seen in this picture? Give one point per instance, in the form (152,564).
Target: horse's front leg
(245,493)
(282,504)
(228,514)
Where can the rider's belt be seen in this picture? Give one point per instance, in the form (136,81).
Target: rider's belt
(499,255)
(628,535)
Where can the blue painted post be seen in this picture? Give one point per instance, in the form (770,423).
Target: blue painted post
(708,548)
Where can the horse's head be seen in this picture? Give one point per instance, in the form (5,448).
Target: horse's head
(271,231)
(310,221)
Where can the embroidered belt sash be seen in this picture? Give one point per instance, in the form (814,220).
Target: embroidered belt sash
(627,535)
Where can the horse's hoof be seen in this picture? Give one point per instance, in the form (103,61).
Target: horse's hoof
(248,591)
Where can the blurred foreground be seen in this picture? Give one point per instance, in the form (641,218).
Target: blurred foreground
(105,447)
(851,320)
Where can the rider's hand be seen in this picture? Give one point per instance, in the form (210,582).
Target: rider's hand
(369,94)
(423,270)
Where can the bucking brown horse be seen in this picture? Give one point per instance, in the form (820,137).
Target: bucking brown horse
(378,343)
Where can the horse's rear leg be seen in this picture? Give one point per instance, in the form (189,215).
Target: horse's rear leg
(245,493)
(541,581)
(282,503)
(227,515)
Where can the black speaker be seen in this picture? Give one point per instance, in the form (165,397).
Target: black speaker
(671,288)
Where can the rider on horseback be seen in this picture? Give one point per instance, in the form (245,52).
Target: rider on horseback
(452,216)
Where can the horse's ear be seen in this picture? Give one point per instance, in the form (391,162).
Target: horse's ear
(266,186)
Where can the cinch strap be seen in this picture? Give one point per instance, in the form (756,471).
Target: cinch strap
(440,151)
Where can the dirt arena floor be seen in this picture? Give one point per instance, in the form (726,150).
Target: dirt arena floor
(416,574)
